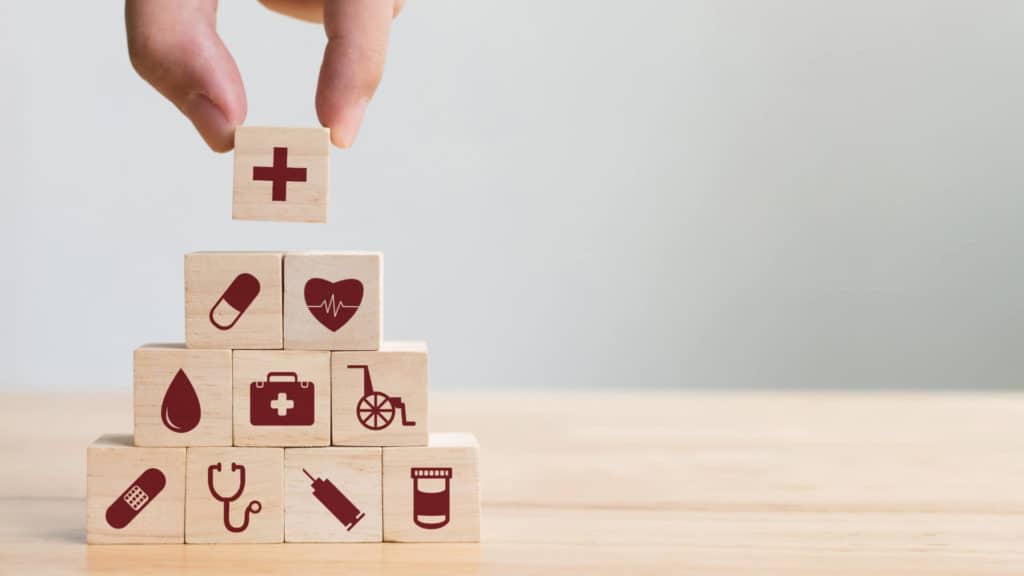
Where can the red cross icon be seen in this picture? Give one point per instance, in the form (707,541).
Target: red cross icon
(280,174)
(282,404)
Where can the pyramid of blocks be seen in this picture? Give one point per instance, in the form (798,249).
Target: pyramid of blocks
(284,416)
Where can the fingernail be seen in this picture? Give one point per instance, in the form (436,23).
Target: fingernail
(211,123)
(344,134)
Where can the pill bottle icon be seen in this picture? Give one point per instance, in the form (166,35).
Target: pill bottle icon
(235,300)
(431,497)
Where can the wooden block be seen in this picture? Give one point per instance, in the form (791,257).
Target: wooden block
(332,301)
(134,495)
(342,501)
(379,398)
(281,174)
(282,398)
(432,493)
(233,300)
(182,397)
(244,503)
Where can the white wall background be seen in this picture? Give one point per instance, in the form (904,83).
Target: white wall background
(567,193)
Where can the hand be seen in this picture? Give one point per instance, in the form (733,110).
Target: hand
(173,45)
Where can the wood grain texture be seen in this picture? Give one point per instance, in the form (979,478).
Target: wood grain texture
(355,472)
(306,200)
(398,370)
(302,330)
(208,275)
(264,483)
(114,465)
(208,372)
(457,517)
(312,367)
(614,483)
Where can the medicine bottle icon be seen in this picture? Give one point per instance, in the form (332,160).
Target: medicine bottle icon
(431,497)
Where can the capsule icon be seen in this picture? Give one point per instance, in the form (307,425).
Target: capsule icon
(235,300)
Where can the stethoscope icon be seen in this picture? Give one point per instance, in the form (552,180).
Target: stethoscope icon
(253,508)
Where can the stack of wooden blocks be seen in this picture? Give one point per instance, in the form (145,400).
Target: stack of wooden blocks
(283,416)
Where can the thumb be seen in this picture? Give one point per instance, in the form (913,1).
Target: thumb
(357,43)
(174,46)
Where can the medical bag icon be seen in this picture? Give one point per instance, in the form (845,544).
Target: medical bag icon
(376,410)
(281,400)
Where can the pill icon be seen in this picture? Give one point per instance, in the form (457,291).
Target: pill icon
(135,498)
(234,301)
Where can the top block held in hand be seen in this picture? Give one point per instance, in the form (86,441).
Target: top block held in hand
(281,174)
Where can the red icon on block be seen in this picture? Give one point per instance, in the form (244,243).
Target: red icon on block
(254,506)
(235,300)
(431,497)
(280,174)
(376,410)
(131,502)
(281,400)
(335,501)
(333,303)
(180,410)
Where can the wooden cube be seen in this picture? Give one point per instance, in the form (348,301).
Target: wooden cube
(234,495)
(233,300)
(182,397)
(432,493)
(282,398)
(332,301)
(379,398)
(332,495)
(281,174)
(134,495)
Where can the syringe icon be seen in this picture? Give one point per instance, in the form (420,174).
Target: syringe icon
(328,494)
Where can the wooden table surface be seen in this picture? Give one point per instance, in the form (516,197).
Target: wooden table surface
(613,483)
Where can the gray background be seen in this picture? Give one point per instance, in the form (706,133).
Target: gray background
(567,194)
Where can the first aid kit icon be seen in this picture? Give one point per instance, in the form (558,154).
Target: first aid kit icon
(281,400)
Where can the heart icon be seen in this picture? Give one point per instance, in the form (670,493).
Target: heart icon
(333,303)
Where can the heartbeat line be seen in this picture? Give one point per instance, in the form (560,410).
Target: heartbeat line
(332,307)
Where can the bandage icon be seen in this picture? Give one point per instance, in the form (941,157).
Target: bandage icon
(135,498)
(335,501)
(234,301)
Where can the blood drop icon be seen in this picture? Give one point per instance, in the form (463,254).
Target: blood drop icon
(180,410)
